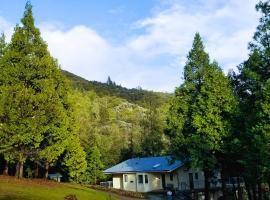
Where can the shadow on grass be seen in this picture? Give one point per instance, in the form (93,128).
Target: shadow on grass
(12,197)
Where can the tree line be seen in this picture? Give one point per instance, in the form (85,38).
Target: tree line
(218,122)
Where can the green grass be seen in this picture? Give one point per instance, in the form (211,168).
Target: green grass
(13,189)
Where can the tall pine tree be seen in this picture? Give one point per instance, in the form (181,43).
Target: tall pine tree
(197,120)
(252,86)
(36,115)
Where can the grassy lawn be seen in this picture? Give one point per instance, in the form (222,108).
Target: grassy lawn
(13,189)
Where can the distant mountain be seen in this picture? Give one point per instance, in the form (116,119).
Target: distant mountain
(135,95)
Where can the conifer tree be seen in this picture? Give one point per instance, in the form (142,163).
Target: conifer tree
(3,44)
(75,159)
(197,120)
(2,143)
(109,81)
(94,165)
(252,89)
(36,115)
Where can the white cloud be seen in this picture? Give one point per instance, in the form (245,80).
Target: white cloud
(154,59)
(80,50)
(226,31)
(6,28)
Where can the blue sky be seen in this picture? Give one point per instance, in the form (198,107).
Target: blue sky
(138,42)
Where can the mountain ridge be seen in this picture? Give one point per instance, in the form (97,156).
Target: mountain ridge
(139,96)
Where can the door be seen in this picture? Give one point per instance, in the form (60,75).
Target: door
(191,183)
(163,181)
(116,182)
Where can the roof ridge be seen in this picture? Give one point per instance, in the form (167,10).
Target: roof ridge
(150,157)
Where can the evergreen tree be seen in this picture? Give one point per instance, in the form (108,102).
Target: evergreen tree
(109,81)
(75,159)
(35,112)
(198,117)
(95,165)
(3,44)
(252,89)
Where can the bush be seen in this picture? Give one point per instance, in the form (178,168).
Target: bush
(70,197)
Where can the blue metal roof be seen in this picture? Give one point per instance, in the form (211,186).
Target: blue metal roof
(149,164)
(56,175)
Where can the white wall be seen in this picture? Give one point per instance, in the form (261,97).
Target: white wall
(183,175)
(180,180)
(154,182)
(173,182)
(130,184)
(117,181)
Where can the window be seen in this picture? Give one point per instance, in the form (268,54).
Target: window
(126,178)
(171,177)
(146,179)
(196,176)
(140,179)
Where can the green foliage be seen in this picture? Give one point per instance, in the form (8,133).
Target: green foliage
(3,44)
(75,159)
(251,87)
(94,166)
(119,129)
(35,115)
(198,117)
(154,141)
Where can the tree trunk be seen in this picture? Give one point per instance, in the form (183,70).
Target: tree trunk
(248,189)
(223,184)
(254,192)
(234,190)
(19,169)
(259,191)
(36,171)
(239,189)
(249,193)
(46,170)
(5,172)
(206,184)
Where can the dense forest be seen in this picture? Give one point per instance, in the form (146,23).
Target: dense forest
(54,121)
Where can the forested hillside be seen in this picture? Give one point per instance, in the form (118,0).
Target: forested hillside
(116,123)
(135,95)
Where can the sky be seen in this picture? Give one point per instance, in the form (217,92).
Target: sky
(138,42)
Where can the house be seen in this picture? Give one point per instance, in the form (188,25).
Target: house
(56,177)
(154,173)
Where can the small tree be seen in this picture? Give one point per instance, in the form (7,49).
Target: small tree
(95,165)
(75,159)
(109,81)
